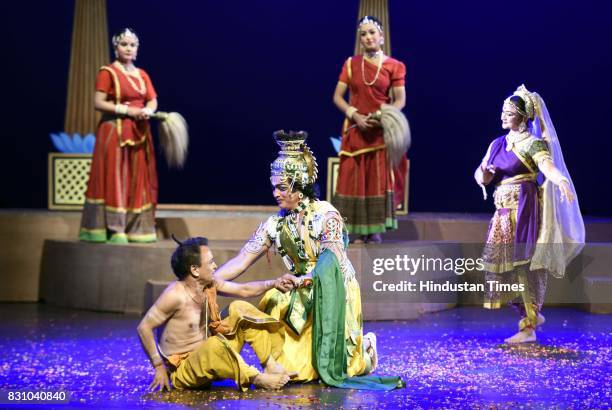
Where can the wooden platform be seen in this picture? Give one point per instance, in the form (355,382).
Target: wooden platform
(40,258)
(128,278)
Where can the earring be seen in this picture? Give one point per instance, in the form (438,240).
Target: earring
(116,54)
(522,127)
(300,195)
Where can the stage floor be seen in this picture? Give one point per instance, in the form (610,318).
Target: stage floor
(450,359)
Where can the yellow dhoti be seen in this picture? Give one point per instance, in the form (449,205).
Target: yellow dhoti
(218,357)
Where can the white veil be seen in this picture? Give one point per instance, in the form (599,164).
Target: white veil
(561,236)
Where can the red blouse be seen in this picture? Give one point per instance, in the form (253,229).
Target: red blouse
(366,98)
(129,95)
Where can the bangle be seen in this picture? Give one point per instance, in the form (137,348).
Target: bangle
(121,109)
(350,111)
(156,360)
(147,111)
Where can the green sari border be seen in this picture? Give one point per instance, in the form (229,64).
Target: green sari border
(329,355)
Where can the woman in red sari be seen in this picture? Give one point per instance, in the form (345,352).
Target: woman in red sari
(365,187)
(122,191)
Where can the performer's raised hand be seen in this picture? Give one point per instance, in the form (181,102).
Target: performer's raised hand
(566,191)
(483,176)
(484,191)
(552,173)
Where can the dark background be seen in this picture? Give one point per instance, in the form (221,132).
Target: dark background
(238,70)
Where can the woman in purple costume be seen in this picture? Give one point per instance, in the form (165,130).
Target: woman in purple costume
(536,230)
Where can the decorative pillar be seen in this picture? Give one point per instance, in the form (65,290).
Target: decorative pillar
(88,53)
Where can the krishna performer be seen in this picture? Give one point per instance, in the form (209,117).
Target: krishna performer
(122,190)
(322,317)
(365,192)
(535,231)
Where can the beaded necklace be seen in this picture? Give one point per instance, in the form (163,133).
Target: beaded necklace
(292,221)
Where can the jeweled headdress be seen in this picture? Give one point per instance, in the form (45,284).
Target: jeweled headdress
(295,161)
(127,32)
(370,20)
(530,102)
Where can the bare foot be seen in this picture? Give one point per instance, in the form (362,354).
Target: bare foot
(369,339)
(524,321)
(524,336)
(273,367)
(270,381)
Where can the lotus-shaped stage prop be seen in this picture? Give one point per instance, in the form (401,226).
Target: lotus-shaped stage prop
(74,144)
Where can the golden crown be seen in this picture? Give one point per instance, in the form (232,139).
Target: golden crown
(295,161)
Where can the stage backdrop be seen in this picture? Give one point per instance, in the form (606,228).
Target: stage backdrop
(238,70)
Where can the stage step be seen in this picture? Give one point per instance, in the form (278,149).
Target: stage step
(113,277)
(23,234)
(598,288)
(128,278)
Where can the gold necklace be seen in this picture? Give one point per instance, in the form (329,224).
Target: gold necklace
(141,88)
(380,61)
(514,138)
